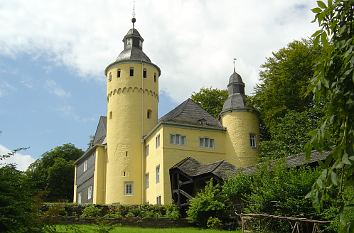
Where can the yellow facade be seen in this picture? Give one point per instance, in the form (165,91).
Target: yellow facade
(240,125)
(130,98)
(131,152)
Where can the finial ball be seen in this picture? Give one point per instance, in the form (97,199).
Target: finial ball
(133,20)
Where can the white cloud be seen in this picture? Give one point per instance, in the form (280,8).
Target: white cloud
(193,42)
(22,161)
(53,88)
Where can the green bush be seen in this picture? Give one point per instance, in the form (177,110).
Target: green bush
(172,212)
(214,223)
(56,210)
(91,211)
(207,203)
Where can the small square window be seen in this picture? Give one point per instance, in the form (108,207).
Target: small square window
(155,77)
(253,141)
(110,115)
(144,73)
(147,180)
(147,150)
(85,165)
(89,192)
(158,200)
(157,139)
(131,72)
(109,77)
(118,73)
(79,198)
(158,174)
(148,114)
(128,188)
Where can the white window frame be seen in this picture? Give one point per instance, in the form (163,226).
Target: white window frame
(158,200)
(253,140)
(85,165)
(177,139)
(89,192)
(157,140)
(147,150)
(79,198)
(128,188)
(206,142)
(158,174)
(147,180)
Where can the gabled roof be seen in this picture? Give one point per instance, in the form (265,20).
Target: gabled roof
(101,130)
(190,113)
(193,168)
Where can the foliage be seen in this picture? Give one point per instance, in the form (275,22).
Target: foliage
(334,79)
(207,203)
(53,173)
(210,99)
(214,223)
(172,212)
(284,80)
(17,204)
(290,134)
(91,211)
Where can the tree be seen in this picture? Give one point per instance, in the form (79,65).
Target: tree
(53,173)
(211,100)
(334,79)
(285,78)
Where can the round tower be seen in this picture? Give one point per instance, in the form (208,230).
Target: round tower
(132,111)
(242,125)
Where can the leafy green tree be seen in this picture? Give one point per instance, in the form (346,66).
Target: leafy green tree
(290,134)
(285,77)
(53,173)
(334,79)
(210,99)
(207,203)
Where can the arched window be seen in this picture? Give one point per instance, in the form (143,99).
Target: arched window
(148,114)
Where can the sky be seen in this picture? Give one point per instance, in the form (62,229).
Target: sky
(53,54)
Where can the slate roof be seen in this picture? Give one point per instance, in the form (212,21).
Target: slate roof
(190,113)
(101,130)
(293,161)
(133,53)
(193,168)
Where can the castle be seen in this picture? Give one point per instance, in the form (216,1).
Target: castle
(133,151)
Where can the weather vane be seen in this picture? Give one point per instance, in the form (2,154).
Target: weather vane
(234,64)
(133,19)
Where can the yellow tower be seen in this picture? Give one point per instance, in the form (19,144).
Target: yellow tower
(132,96)
(242,125)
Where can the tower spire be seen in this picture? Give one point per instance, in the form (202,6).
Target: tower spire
(235,64)
(133,18)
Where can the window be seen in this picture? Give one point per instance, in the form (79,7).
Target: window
(148,114)
(85,165)
(128,188)
(79,198)
(144,73)
(206,142)
(155,77)
(147,180)
(89,192)
(158,174)
(131,72)
(157,139)
(177,139)
(147,150)
(253,140)
(110,77)
(158,200)
(110,115)
(118,73)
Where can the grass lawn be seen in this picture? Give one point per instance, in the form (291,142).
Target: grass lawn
(119,229)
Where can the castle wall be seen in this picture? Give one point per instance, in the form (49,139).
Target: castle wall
(167,155)
(99,192)
(240,125)
(129,99)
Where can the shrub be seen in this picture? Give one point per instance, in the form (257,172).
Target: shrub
(207,203)
(91,211)
(172,212)
(56,210)
(214,223)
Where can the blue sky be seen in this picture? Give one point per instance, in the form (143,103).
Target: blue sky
(53,53)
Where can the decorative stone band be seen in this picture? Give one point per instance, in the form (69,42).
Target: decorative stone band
(131,90)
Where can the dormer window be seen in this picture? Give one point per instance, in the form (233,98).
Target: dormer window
(129,41)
